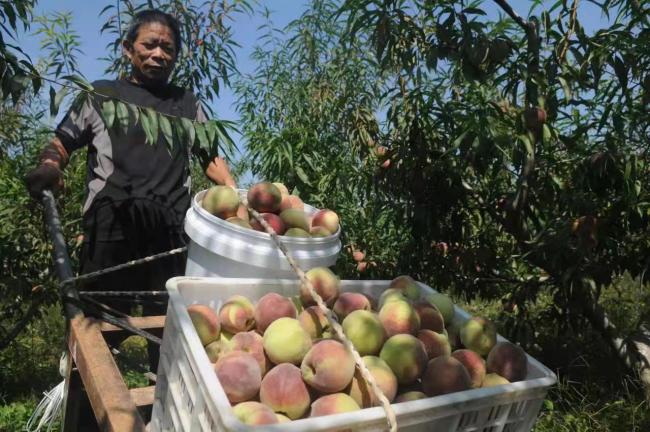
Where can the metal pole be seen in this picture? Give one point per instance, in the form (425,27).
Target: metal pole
(60,256)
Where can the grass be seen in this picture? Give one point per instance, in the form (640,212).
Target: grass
(591,395)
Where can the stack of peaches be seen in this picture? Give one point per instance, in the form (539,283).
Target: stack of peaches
(278,360)
(284,212)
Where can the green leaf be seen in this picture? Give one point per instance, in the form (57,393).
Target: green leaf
(153,124)
(302,176)
(202,136)
(108,113)
(190,133)
(80,82)
(166,128)
(122,116)
(146,127)
(211,131)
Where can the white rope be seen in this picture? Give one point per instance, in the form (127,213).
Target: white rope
(338,330)
(47,410)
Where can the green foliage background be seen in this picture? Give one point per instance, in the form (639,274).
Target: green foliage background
(409,119)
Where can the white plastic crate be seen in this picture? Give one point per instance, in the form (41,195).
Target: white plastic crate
(189,397)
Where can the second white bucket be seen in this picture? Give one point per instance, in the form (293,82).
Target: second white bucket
(221,249)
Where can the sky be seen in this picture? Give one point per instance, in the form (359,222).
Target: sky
(86,22)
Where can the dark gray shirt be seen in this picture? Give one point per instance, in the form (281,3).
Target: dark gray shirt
(133,188)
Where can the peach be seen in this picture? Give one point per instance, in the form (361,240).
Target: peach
(264,197)
(473,363)
(294,218)
(478,334)
(328,366)
(284,391)
(410,396)
(239,222)
(364,329)
(444,305)
(315,323)
(327,219)
(319,232)
(444,375)
(435,344)
(391,294)
(254,413)
(291,202)
(221,201)
(493,380)
(407,285)
(252,343)
(358,255)
(325,283)
(296,232)
(236,314)
(333,404)
(405,355)
(508,360)
(348,302)
(399,317)
(430,317)
(360,390)
(239,375)
(271,307)
(281,187)
(273,220)
(285,341)
(216,349)
(282,418)
(206,322)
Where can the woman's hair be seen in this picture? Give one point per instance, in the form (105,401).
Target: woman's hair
(154,16)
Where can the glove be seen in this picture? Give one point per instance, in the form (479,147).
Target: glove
(44,176)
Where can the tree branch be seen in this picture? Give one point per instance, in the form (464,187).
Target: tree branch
(508,9)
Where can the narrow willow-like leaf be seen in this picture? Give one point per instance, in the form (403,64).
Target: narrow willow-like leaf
(108,113)
(152,116)
(166,128)
(122,113)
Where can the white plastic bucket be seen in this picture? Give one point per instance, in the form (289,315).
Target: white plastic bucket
(221,249)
